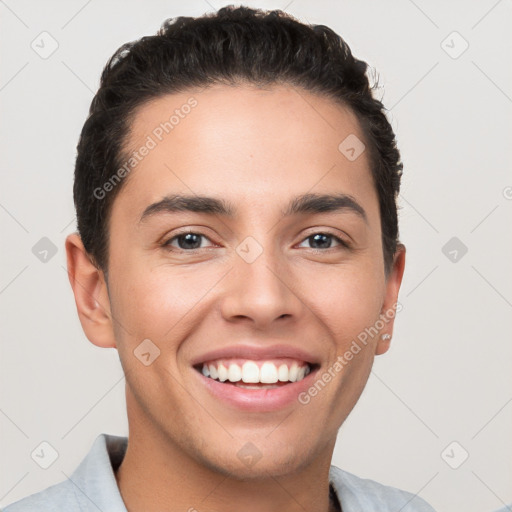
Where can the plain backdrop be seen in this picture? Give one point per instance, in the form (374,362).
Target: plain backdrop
(436,415)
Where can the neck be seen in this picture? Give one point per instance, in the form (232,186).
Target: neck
(157,474)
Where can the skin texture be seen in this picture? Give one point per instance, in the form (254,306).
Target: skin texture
(257,148)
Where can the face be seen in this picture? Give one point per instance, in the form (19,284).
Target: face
(247,285)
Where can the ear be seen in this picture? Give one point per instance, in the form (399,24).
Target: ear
(91,294)
(389,306)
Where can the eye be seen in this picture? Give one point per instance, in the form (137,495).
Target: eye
(190,241)
(323,240)
(186,241)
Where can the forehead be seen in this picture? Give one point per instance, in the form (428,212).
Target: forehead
(245,142)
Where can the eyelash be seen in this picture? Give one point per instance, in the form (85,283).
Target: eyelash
(166,245)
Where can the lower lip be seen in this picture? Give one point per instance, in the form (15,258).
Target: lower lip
(258,400)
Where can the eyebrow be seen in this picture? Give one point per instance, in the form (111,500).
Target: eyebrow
(306,203)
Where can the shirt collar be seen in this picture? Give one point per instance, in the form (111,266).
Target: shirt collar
(94,479)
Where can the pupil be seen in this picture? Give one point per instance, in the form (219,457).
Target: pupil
(189,238)
(323,239)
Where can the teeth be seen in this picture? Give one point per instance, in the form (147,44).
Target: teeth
(292,373)
(213,372)
(251,373)
(268,373)
(282,373)
(253,386)
(234,373)
(223,372)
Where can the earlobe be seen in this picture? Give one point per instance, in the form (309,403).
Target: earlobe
(91,295)
(389,307)
(383,344)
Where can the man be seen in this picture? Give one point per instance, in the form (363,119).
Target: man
(255,139)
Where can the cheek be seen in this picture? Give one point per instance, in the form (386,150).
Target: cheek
(150,308)
(159,302)
(345,299)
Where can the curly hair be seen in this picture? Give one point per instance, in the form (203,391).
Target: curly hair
(234,45)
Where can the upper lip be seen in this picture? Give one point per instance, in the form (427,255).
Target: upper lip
(257,353)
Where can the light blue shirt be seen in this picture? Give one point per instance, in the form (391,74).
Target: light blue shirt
(93,486)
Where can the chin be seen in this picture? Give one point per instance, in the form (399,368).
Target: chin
(257,459)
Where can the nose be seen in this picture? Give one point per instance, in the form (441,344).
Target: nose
(261,292)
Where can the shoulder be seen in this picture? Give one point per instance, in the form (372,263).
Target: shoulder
(357,494)
(92,486)
(50,499)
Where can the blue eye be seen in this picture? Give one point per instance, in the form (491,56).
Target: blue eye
(324,240)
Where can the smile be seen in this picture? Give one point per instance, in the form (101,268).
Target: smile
(261,374)
(262,386)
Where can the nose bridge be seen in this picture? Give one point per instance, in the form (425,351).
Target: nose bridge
(258,286)
(263,272)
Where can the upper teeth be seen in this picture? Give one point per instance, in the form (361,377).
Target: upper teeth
(250,372)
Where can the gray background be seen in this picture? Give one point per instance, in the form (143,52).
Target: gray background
(447,377)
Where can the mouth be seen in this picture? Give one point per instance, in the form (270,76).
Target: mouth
(256,378)
(256,374)
(256,385)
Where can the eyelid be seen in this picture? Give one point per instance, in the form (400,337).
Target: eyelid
(166,244)
(166,241)
(342,242)
(336,233)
